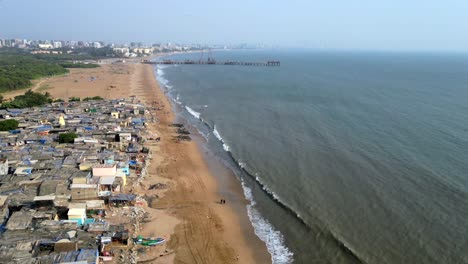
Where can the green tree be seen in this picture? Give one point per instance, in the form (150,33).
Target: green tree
(97,98)
(18,69)
(28,99)
(67,137)
(8,125)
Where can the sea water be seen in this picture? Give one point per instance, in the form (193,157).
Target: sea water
(345,157)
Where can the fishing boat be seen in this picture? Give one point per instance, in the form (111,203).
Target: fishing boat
(146,241)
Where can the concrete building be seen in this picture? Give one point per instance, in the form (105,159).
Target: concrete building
(57,44)
(77,214)
(3,166)
(105,170)
(96,45)
(123,52)
(45,46)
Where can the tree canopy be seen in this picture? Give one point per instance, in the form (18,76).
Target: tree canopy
(17,70)
(28,99)
(7,125)
(67,137)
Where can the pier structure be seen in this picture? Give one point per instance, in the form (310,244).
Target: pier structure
(213,62)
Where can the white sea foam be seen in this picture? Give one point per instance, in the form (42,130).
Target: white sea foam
(159,76)
(159,72)
(241,164)
(266,189)
(226,147)
(218,136)
(273,239)
(193,112)
(177,100)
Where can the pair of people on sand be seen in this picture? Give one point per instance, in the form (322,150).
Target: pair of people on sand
(222,201)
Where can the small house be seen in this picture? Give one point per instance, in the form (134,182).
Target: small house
(3,166)
(77,214)
(105,170)
(82,191)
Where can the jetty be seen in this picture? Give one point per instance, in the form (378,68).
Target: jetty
(213,62)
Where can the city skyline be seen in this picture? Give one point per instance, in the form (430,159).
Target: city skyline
(367,25)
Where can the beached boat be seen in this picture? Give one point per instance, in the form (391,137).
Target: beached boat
(146,241)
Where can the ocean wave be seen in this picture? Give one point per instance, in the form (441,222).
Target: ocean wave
(159,72)
(159,77)
(273,239)
(337,239)
(160,66)
(218,136)
(193,112)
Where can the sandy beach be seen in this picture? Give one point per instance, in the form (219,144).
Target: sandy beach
(199,229)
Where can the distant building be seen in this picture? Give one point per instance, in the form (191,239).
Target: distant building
(96,45)
(57,44)
(142,51)
(72,43)
(45,46)
(7,43)
(123,52)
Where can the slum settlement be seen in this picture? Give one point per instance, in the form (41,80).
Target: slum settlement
(64,172)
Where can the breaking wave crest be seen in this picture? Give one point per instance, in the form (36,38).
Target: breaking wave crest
(193,112)
(218,136)
(273,239)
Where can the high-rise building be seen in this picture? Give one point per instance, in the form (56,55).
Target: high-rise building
(8,43)
(57,44)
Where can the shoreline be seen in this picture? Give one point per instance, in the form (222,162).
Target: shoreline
(235,227)
(187,213)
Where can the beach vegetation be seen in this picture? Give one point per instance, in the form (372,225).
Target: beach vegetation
(28,99)
(67,137)
(7,125)
(78,65)
(94,98)
(18,70)
(74,99)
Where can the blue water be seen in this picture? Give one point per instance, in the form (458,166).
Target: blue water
(346,157)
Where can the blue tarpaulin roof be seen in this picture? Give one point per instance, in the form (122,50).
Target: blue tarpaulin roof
(44,128)
(14,111)
(138,120)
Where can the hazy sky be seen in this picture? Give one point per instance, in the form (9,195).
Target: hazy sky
(329,24)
